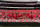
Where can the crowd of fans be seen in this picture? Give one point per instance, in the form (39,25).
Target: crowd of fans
(19,15)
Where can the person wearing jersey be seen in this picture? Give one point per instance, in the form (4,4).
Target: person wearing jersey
(24,15)
(19,15)
(37,14)
(10,15)
(31,15)
(14,15)
(3,15)
(0,14)
(34,15)
(27,15)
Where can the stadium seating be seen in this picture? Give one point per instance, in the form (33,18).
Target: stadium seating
(19,15)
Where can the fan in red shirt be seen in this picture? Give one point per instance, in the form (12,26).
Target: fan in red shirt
(31,15)
(27,14)
(10,15)
(18,15)
(37,15)
(14,15)
(34,15)
(0,14)
(24,15)
(3,14)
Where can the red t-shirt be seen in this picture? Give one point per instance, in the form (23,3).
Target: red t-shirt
(2,14)
(27,15)
(37,15)
(34,15)
(18,15)
(24,16)
(31,16)
(10,15)
(14,15)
